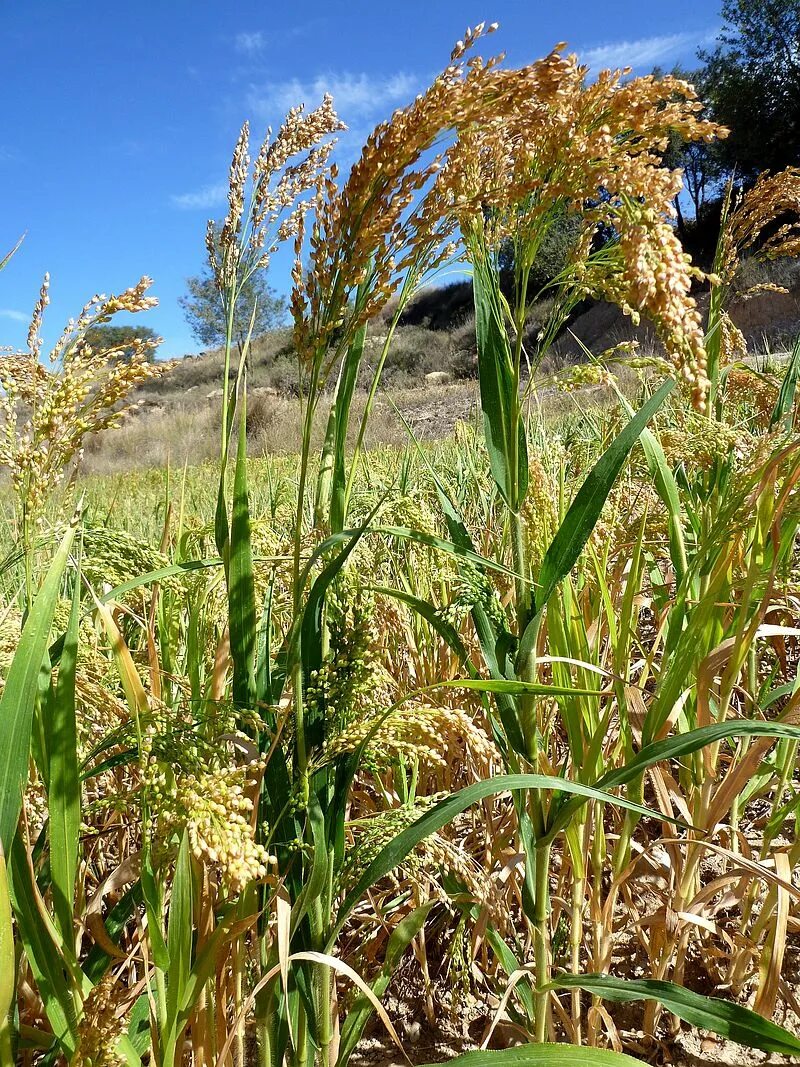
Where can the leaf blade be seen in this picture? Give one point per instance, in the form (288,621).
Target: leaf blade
(721,1017)
(19,695)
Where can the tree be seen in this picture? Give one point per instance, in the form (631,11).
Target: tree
(703,168)
(551,258)
(202,308)
(120,341)
(752,79)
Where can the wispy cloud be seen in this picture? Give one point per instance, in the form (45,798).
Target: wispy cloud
(360,99)
(210,196)
(645,51)
(250,43)
(355,95)
(15,316)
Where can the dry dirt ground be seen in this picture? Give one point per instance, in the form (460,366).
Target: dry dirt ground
(451,1036)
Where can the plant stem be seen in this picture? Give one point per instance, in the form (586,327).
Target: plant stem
(576,938)
(323,983)
(6,1048)
(541,939)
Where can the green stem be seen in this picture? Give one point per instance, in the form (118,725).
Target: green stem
(225,431)
(265,1012)
(323,983)
(302,1040)
(576,940)
(541,939)
(520,560)
(170,1051)
(6,1044)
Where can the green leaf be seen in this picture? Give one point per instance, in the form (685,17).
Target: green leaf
(311,624)
(179,933)
(678,745)
(513,687)
(151,895)
(206,963)
(523,991)
(542,1056)
(19,695)
(721,1017)
(64,792)
(486,628)
(128,1051)
(139,1025)
(782,412)
(316,879)
(172,571)
(585,509)
(241,589)
(393,854)
(672,748)
(338,423)
(311,629)
(504,428)
(455,549)
(433,617)
(667,489)
(117,919)
(48,965)
(8,967)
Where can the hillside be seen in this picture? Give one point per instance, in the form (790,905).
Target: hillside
(430,374)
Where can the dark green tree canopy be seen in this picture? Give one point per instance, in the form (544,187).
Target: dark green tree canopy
(752,81)
(120,341)
(203,311)
(551,257)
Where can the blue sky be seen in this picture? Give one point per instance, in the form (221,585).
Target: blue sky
(119,120)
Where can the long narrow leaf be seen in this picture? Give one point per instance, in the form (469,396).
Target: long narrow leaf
(504,428)
(667,489)
(721,1017)
(8,968)
(19,695)
(583,513)
(64,792)
(393,854)
(784,405)
(241,589)
(49,967)
(359,1015)
(672,748)
(542,1056)
(340,416)
(179,933)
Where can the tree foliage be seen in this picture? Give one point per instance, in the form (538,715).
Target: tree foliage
(203,311)
(120,341)
(752,81)
(701,162)
(551,257)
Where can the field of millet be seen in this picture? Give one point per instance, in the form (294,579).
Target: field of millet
(494,738)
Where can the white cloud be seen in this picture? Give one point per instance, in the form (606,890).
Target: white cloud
(355,95)
(645,51)
(208,197)
(16,316)
(250,43)
(360,100)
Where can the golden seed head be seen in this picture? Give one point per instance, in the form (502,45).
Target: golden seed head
(46,414)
